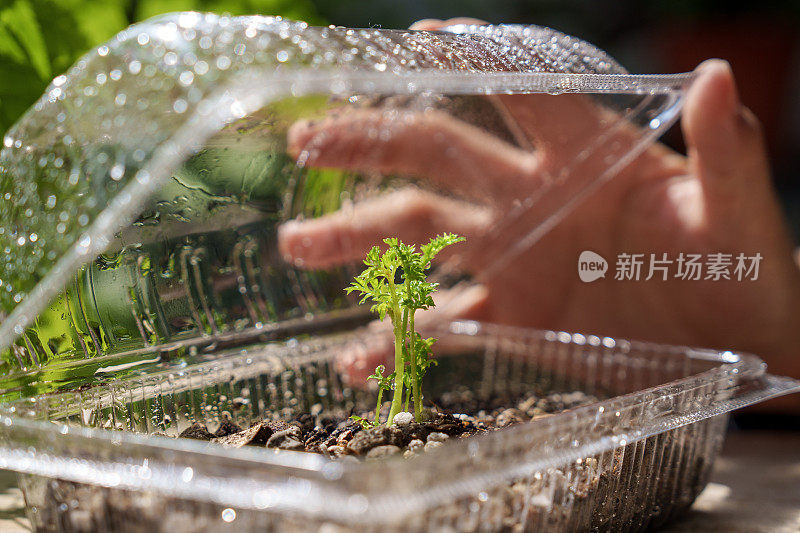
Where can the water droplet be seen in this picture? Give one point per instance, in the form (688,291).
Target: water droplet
(186,78)
(117,171)
(180,105)
(223,62)
(188,20)
(201,67)
(143,176)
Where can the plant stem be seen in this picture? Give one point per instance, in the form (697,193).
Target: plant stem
(399,368)
(399,365)
(399,339)
(415,385)
(378,407)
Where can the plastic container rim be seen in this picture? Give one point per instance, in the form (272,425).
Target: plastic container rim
(311,484)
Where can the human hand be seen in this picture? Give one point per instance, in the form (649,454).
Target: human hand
(717,199)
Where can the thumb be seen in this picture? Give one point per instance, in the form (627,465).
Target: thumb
(724,140)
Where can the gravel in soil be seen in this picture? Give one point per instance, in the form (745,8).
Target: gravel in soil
(454,415)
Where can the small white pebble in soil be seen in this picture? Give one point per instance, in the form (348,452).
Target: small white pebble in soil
(383,451)
(528,404)
(403,419)
(416,445)
(335,450)
(437,437)
(508,417)
(432,445)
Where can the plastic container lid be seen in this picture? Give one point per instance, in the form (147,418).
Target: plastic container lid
(165,150)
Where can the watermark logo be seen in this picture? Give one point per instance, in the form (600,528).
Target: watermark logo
(591,266)
(683,266)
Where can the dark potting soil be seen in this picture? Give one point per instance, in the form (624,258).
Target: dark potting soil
(462,414)
(614,500)
(335,435)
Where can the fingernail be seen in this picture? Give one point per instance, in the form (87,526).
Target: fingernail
(713,63)
(425,24)
(721,68)
(467,21)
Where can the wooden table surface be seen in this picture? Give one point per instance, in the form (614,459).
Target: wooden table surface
(755,488)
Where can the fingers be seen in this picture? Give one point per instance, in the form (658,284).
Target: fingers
(558,126)
(461,302)
(435,24)
(724,140)
(430,144)
(346,235)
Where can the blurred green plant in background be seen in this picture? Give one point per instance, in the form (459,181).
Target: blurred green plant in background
(40,39)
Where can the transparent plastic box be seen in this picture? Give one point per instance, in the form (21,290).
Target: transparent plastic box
(628,462)
(167,261)
(170,187)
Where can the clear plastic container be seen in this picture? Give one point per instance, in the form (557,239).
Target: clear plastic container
(628,462)
(151,279)
(151,192)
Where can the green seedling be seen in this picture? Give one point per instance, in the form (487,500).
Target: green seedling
(396,283)
(384,384)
